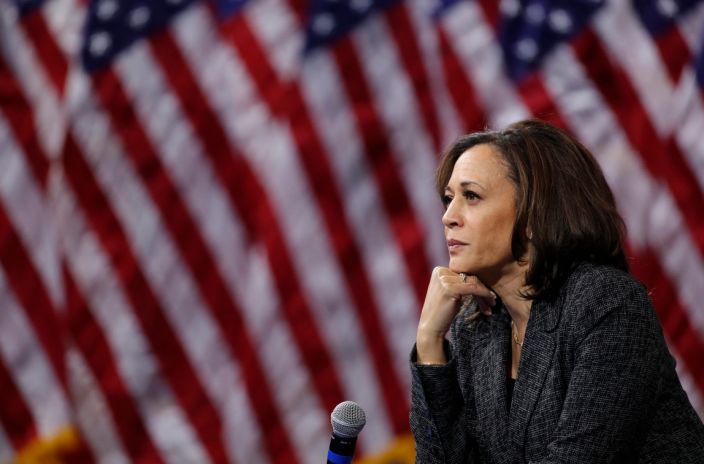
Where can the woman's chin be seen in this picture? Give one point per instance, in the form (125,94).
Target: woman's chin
(457,265)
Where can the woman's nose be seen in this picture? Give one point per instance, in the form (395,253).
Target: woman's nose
(451,217)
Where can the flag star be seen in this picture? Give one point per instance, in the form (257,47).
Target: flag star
(139,17)
(510,8)
(106,9)
(668,8)
(323,24)
(526,49)
(560,21)
(99,43)
(360,5)
(535,13)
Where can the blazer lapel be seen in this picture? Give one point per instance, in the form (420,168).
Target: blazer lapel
(536,358)
(489,363)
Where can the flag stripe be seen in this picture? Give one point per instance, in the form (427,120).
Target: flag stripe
(50,54)
(461,89)
(27,286)
(91,342)
(665,102)
(195,254)
(15,415)
(405,226)
(261,225)
(18,114)
(173,361)
(674,52)
(408,47)
(471,38)
(91,412)
(541,105)
(663,158)
(286,100)
(676,324)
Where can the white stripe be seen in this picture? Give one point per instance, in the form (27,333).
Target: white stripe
(66,21)
(30,214)
(29,365)
(31,76)
(474,44)
(690,133)
(671,108)
(413,153)
(92,412)
(277,27)
(426,32)
(230,92)
(619,28)
(162,415)
(647,207)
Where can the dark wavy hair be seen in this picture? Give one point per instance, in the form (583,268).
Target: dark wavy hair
(563,202)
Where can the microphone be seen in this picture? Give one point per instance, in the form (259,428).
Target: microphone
(347,420)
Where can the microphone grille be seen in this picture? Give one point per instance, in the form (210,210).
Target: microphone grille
(348,419)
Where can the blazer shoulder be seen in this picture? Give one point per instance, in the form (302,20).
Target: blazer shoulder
(592,291)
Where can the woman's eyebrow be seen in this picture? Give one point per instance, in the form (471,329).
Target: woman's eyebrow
(469,182)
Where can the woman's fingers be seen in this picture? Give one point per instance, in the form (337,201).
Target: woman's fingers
(461,285)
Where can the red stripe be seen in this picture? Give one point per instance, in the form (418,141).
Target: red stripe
(662,158)
(195,253)
(15,415)
(166,347)
(286,102)
(674,52)
(90,340)
(461,90)
(409,50)
(407,231)
(18,113)
(541,104)
(491,11)
(52,57)
(26,284)
(249,198)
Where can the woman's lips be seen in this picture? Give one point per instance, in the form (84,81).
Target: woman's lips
(453,244)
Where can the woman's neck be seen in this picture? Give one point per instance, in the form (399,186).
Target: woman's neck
(511,288)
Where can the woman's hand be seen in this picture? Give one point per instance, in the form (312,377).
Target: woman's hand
(442,303)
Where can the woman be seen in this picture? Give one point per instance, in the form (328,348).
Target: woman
(556,353)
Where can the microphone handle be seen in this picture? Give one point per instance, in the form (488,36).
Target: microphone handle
(341,449)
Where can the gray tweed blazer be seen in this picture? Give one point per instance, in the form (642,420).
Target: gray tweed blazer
(596,384)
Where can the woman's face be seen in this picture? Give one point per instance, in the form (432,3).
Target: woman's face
(481,211)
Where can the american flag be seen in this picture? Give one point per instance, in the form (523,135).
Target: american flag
(218,218)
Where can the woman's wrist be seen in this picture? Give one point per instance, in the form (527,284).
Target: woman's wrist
(430,349)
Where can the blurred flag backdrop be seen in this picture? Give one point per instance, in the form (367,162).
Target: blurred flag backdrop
(217,218)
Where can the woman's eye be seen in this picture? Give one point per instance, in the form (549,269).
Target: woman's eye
(446,200)
(470,195)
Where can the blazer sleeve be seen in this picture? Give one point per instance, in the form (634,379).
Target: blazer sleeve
(618,361)
(437,416)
